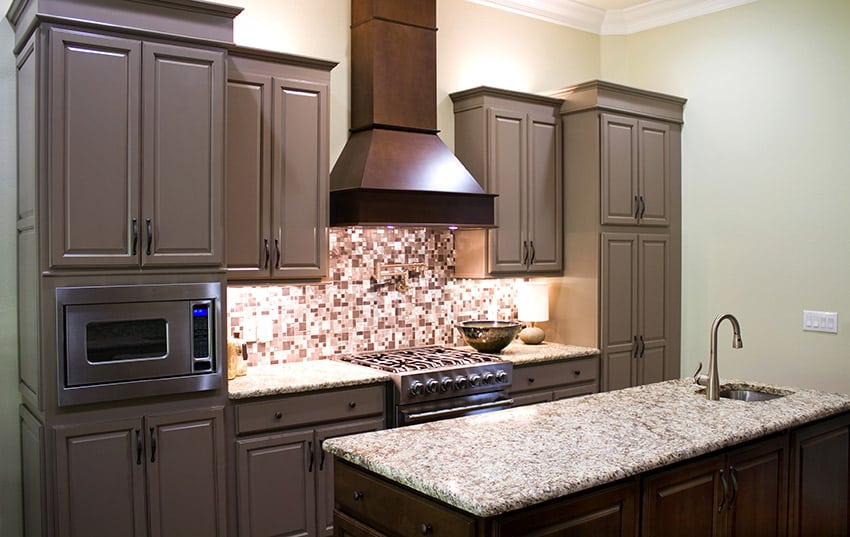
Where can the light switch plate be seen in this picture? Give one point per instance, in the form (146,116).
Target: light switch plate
(820,321)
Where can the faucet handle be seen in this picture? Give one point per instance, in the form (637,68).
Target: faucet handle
(702,380)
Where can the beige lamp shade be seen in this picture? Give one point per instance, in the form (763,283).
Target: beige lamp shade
(533,302)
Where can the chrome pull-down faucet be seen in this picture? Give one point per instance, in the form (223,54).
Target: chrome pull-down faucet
(713,391)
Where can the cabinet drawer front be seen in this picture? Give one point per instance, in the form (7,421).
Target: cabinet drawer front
(295,410)
(553,374)
(391,509)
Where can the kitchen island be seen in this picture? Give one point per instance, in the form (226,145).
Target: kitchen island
(486,470)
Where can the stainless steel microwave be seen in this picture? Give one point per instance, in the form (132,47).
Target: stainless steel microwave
(123,342)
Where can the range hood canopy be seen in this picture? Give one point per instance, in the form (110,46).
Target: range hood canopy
(394,169)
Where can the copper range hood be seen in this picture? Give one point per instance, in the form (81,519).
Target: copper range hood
(394,169)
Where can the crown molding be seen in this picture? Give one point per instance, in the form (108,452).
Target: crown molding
(644,16)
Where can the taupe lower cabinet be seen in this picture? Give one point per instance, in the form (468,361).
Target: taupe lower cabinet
(635,309)
(136,142)
(511,143)
(277,166)
(158,475)
(284,481)
(621,290)
(551,381)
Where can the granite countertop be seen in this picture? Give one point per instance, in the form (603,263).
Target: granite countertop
(299,377)
(503,461)
(295,377)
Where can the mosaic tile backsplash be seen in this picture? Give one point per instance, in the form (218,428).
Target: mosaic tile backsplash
(352,312)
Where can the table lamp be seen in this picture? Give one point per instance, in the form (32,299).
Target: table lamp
(532,307)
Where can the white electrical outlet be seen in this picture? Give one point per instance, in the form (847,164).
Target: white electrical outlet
(249,330)
(264,329)
(820,321)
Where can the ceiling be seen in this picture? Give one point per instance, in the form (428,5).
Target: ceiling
(613,17)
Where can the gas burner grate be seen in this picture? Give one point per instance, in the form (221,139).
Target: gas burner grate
(418,359)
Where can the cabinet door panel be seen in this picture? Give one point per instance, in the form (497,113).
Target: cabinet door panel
(820,473)
(183,141)
(653,276)
(506,175)
(682,500)
(654,176)
(100,477)
(94,182)
(544,188)
(760,483)
(325,496)
(248,176)
(276,485)
(185,460)
(619,155)
(619,308)
(299,179)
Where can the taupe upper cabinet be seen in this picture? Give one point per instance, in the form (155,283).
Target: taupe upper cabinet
(136,152)
(511,143)
(635,165)
(622,181)
(277,166)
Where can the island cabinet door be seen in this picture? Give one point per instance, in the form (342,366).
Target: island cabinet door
(683,500)
(608,512)
(819,500)
(758,489)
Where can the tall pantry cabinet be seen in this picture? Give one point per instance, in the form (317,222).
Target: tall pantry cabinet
(622,181)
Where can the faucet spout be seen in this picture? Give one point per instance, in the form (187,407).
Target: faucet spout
(713,390)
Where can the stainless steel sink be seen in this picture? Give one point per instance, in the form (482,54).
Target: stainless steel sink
(749,395)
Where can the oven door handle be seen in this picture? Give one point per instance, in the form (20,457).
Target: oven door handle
(432,414)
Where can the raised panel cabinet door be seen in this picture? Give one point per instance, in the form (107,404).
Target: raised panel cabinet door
(619,168)
(325,469)
(653,309)
(182,155)
(100,474)
(655,173)
(93,125)
(820,472)
(545,195)
(300,179)
(609,512)
(506,177)
(619,309)
(248,175)
(759,479)
(276,485)
(185,460)
(683,501)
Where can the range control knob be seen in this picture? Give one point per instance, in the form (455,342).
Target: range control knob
(416,388)
(432,386)
(501,376)
(475,379)
(461,382)
(446,384)
(488,377)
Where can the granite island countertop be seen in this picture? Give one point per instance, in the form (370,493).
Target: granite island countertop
(325,374)
(503,461)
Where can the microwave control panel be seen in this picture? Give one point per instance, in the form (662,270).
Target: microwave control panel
(201,342)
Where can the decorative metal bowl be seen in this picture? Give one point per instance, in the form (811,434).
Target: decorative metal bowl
(489,336)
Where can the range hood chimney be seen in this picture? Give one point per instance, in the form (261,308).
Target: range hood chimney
(394,169)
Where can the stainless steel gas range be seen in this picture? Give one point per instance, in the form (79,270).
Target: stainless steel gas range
(435,382)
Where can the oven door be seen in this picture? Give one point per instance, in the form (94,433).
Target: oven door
(451,408)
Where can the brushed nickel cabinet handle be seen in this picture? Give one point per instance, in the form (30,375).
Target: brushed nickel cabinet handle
(266,249)
(312,456)
(277,253)
(138,447)
(725,491)
(533,254)
(642,346)
(734,486)
(322,461)
(642,207)
(153,444)
(637,207)
(525,252)
(635,346)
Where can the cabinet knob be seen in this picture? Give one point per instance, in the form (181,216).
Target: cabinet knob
(531,380)
(352,404)
(577,372)
(278,415)
(358,495)
(426,528)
